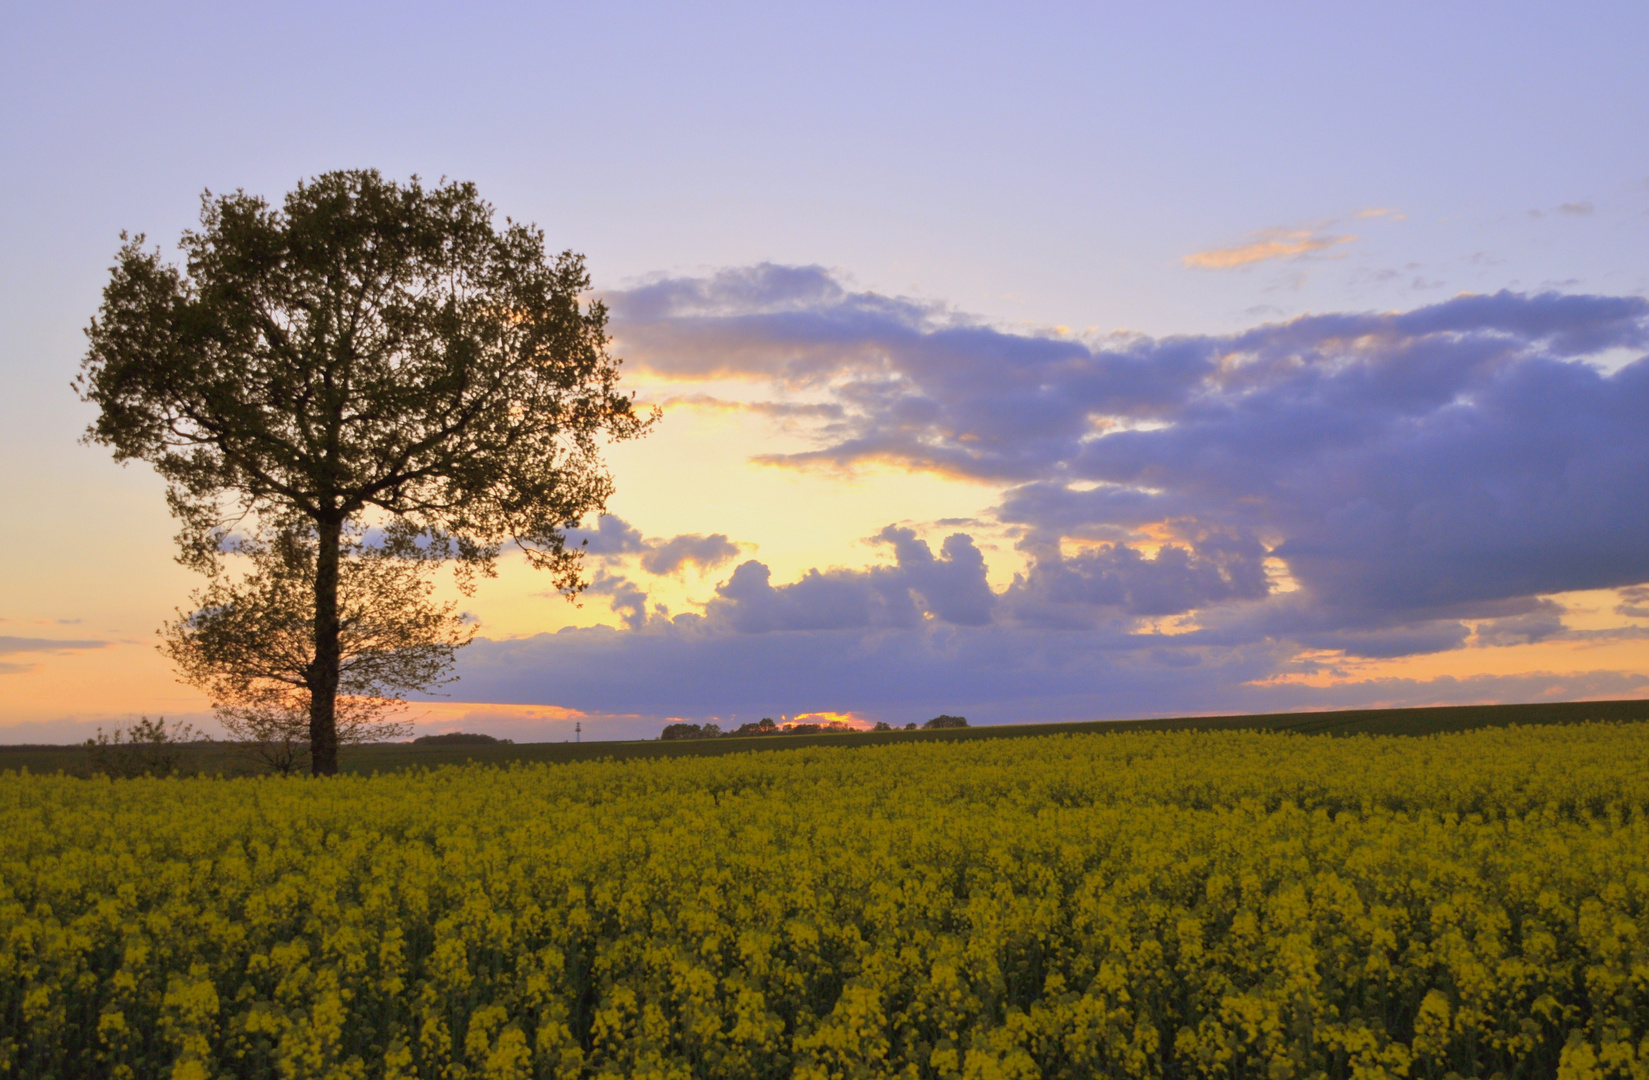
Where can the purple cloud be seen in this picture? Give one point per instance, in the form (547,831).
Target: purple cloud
(991,674)
(951,588)
(705,552)
(628,600)
(1366,484)
(30,644)
(1404,467)
(1066,591)
(613,538)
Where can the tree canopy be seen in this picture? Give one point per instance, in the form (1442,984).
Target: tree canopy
(368,354)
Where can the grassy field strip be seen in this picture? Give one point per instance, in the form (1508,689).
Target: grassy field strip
(393,757)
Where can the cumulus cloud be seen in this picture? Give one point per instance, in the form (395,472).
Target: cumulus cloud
(628,600)
(1458,454)
(614,538)
(705,552)
(1060,590)
(919,586)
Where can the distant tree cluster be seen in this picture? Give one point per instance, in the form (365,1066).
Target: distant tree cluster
(460,738)
(766,726)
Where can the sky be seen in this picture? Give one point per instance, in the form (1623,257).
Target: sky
(1024,362)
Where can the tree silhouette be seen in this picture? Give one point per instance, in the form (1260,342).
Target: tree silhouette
(370,354)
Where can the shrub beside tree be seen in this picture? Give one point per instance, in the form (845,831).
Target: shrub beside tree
(143,748)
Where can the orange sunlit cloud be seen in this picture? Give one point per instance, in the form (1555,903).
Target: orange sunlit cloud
(1263,246)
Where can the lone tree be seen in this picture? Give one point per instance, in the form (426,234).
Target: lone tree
(371,355)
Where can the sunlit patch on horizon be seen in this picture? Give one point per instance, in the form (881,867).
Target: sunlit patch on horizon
(846,719)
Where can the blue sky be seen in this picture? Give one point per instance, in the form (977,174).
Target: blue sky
(964,271)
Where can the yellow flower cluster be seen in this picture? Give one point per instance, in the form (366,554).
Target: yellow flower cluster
(1132,905)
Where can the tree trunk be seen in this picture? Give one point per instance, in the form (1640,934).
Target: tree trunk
(323,670)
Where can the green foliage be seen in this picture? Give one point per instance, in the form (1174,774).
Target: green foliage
(944,722)
(1156,905)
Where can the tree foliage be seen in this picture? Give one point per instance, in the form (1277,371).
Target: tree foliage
(368,353)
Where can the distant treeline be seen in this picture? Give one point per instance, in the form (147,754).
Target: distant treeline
(766,726)
(460,738)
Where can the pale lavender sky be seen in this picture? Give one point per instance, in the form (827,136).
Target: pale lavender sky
(1013,168)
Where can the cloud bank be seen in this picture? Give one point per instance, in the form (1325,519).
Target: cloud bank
(1370,484)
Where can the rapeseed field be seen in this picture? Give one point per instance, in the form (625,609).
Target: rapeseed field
(1133,905)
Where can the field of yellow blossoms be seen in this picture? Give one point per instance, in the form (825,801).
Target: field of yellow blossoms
(1130,905)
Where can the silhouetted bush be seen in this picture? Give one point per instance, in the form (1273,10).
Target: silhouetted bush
(939,723)
(459,738)
(682,731)
(145,748)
